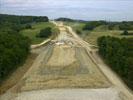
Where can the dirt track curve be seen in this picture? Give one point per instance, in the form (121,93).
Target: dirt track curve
(67,68)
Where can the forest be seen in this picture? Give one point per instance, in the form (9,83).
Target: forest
(14,47)
(118,53)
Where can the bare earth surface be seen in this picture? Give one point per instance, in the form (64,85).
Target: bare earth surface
(70,94)
(68,69)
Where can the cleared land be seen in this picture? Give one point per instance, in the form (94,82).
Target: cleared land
(63,66)
(65,69)
(70,94)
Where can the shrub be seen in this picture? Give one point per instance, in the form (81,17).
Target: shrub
(28,26)
(45,33)
(93,24)
(78,32)
(126,26)
(125,32)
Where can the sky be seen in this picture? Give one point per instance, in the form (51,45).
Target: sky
(110,10)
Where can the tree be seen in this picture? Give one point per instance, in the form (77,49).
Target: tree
(45,33)
(28,26)
(93,24)
(78,32)
(118,53)
(125,32)
(65,19)
(14,49)
(111,26)
(126,26)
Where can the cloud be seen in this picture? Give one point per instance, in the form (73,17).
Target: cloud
(87,8)
(13,1)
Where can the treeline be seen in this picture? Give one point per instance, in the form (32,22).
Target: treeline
(14,47)
(90,25)
(65,19)
(23,19)
(93,24)
(118,53)
(12,23)
(69,20)
(125,25)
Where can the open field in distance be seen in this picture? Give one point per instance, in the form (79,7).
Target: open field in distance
(31,33)
(92,36)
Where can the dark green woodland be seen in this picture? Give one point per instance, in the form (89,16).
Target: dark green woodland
(14,47)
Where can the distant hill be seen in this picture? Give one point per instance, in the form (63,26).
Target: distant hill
(70,20)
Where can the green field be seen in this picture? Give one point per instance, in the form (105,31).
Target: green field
(31,33)
(91,36)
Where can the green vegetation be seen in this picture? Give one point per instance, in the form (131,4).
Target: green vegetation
(65,19)
(118,53)
(93,24)
(45,33)
(14,47)
(28,26)
(35,30)
(126,26)
(111,26)
(105,29)
(125,32)
(11,23)
(78,32)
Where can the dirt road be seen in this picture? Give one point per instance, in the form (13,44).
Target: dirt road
(67,68)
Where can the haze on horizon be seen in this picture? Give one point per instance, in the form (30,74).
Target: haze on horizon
(114,10)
